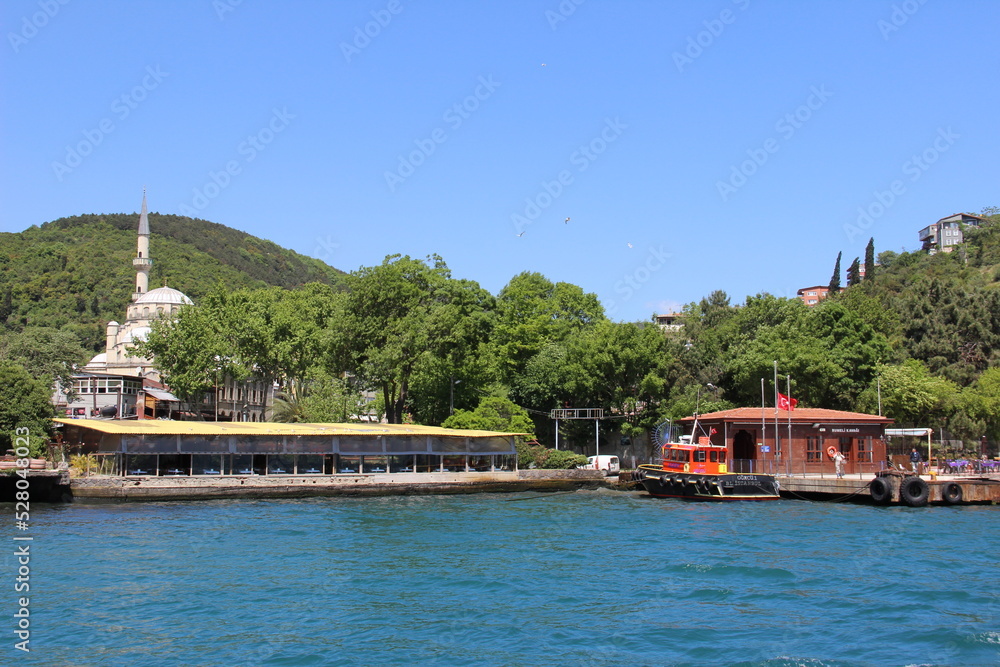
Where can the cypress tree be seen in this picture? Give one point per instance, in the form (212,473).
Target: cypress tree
(870,259)
(835,279)
(852,273)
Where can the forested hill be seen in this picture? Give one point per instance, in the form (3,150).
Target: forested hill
(76,273)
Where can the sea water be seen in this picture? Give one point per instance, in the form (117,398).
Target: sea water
(587,577)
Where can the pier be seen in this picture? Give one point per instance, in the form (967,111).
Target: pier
(150,488)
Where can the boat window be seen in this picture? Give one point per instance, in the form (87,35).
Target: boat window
(713,457)
(699,456)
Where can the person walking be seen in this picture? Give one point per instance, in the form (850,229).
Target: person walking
(915,461)
(838,462)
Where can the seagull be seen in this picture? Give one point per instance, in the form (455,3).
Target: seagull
(629,245)
(519,235)
(543,64)
(566,220)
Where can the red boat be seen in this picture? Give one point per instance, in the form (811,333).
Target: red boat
(701,472)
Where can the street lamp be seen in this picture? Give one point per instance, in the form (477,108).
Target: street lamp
(451,395)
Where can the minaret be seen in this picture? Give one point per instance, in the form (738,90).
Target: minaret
(142,262)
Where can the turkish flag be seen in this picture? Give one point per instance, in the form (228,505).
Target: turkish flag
(786,402)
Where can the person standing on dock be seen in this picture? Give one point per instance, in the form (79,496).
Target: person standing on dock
(838,462)
(915,461)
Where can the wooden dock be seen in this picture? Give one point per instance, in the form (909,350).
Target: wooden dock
(940,490)
(857,488)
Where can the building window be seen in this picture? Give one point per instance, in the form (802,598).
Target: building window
(865,449)
(814,448)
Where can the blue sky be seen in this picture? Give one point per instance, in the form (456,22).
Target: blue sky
(694,146)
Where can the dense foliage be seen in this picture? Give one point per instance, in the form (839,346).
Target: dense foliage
(76,273)
(918,336)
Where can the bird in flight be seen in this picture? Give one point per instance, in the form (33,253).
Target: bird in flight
(519,235)
(566,220)
(629,244)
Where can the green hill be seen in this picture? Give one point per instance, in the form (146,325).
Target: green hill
(76,273)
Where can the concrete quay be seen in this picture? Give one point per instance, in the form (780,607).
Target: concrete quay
(151,488)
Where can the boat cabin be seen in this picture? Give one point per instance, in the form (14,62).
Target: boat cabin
(703,457)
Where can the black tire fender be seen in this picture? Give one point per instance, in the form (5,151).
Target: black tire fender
(951,493)
(914,492)
(881,490)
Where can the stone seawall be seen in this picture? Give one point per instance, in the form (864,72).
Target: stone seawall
(130,489)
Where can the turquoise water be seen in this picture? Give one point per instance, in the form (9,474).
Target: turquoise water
(590,577)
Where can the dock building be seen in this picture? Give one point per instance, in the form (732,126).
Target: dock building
(782,442)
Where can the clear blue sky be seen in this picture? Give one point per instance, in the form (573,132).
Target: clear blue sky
(728,142)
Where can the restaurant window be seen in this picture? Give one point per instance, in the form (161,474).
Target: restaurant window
(814,445)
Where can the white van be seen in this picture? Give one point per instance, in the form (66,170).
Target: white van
(607,463)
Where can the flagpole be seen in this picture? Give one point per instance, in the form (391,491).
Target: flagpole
(777,444)
(763,417)
(788,388)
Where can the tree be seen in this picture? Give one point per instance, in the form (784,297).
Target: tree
(854,273)
(623,368)
(912,396)
(870,259)
(402,311)
(835,278)
(533,312)
(24,409)
(48,354)
(493,414)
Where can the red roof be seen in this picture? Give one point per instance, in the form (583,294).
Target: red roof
(799,415)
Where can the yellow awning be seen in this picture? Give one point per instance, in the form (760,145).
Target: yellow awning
(171,427)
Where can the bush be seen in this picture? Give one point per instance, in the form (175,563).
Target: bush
(531,453)
(82,465)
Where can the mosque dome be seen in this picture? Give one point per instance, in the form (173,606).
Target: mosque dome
(165,295)
(98,359)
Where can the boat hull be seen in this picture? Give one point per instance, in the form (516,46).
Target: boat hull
(719,487)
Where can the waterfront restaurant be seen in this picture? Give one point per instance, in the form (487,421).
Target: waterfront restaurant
(164,448)
(796,442)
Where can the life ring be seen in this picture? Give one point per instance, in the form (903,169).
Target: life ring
(881,490)
(914,492)
(831,451)
(951,493)
(687,467)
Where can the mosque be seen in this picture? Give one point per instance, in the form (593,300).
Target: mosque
(146,306)
(117,383)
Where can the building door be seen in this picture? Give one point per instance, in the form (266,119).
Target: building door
(847,449)
(744,451)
